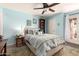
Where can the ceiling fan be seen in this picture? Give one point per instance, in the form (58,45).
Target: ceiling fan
(46,6)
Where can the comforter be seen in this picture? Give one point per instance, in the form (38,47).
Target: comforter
(44,42)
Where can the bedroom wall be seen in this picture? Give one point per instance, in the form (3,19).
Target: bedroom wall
(57,25)
(1,21)
(14,22)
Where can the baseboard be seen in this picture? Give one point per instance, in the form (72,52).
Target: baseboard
(72,44)
(11,45)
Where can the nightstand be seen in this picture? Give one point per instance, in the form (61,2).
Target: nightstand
(19,40)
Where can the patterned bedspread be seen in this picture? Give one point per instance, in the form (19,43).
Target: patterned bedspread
(44,42)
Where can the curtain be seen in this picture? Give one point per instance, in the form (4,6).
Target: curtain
(71,28)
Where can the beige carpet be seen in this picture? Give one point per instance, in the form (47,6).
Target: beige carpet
(24,51)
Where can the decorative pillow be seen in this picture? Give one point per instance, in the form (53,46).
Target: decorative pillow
(30,31)
(25,32)
(40,33)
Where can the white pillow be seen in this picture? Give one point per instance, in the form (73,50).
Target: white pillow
(40,33)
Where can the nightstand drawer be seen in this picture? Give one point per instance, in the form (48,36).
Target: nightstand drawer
(19,40)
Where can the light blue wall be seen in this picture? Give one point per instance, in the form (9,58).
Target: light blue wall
(0,10)
(59,17)
(14,20)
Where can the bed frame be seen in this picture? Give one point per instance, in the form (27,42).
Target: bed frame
(50,52)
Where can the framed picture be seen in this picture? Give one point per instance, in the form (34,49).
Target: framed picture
(28,22)
(34,21)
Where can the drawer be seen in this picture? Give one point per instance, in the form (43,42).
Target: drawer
(18,40)
(19,45)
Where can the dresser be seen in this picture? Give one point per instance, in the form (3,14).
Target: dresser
(3,48)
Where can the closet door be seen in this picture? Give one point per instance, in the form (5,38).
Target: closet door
(52,26)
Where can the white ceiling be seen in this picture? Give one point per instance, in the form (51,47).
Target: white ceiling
(28,7)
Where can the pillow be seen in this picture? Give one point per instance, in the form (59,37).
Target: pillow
(25,32)
(40,33)
(30,31)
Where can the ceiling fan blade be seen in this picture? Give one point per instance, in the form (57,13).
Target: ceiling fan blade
(45,5)
(51,10)
(44,11)
(53,4)
(38,8)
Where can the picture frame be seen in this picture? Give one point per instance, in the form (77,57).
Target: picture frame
(28,22)
(34,21)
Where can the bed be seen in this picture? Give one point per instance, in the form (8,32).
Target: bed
(44,44)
